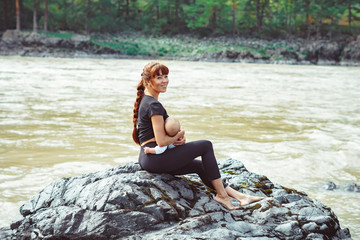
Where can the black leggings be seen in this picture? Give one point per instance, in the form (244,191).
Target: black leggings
(181,160)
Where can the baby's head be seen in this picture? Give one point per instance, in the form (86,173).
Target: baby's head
(172,126)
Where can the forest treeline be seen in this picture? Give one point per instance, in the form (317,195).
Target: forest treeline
(248,18)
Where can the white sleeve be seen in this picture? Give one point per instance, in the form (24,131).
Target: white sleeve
(171,146)
(160,150)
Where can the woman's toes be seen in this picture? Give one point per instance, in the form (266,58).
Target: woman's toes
(249,200)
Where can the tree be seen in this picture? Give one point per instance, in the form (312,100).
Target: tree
(34,7)
(177,20)
(285,17)
(35,10)
(88,5)
(5,15)
(234,5)
(332,11)
(203,17)
(213,17)
(261,6)
(46,12)
(17,15)
(284,14)
(349,13)
(353,12)
(308,19)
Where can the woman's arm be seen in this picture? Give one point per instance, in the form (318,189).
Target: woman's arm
(159,131)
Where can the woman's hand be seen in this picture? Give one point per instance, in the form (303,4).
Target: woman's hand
(182,139)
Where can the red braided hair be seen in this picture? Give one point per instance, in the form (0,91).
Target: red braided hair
(150,71)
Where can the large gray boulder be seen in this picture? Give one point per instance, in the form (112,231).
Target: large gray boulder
(351,52)
(12,37)
(319,51)
(126,202)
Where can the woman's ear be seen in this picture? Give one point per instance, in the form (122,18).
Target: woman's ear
(148,83)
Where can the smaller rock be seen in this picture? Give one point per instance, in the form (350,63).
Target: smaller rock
(287,54)
(290,229)
(12,37)
(310,227)
(293,197)
(232,54)
(5,233)
(330,186)
(52,42)
(352,187)
(78,39)
(32,40)
(314,236)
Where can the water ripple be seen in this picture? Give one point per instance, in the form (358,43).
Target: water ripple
(299,125)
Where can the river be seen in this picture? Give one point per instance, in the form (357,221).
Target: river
(298,125)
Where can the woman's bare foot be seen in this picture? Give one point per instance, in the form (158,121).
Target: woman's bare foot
(225,201)
(249,199)
(242,198)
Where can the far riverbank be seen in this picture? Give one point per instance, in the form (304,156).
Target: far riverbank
(344,51)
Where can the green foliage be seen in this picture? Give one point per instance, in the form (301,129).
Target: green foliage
(185,46)
(259,18)
(197,15)
(62,35)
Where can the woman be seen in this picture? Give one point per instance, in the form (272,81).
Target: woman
(149,117)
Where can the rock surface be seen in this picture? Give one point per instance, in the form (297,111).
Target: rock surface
(126,202)
(344,51)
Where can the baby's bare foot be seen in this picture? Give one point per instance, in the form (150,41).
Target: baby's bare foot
(226,202)
(249,200)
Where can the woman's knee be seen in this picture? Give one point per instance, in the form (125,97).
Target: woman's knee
(207,144)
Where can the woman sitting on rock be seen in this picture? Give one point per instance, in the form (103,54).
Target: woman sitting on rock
(149,117)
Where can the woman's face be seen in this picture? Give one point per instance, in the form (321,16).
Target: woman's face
(159,83)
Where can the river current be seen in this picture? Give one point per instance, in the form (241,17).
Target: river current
(298,125)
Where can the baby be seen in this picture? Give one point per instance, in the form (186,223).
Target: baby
(172,127)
